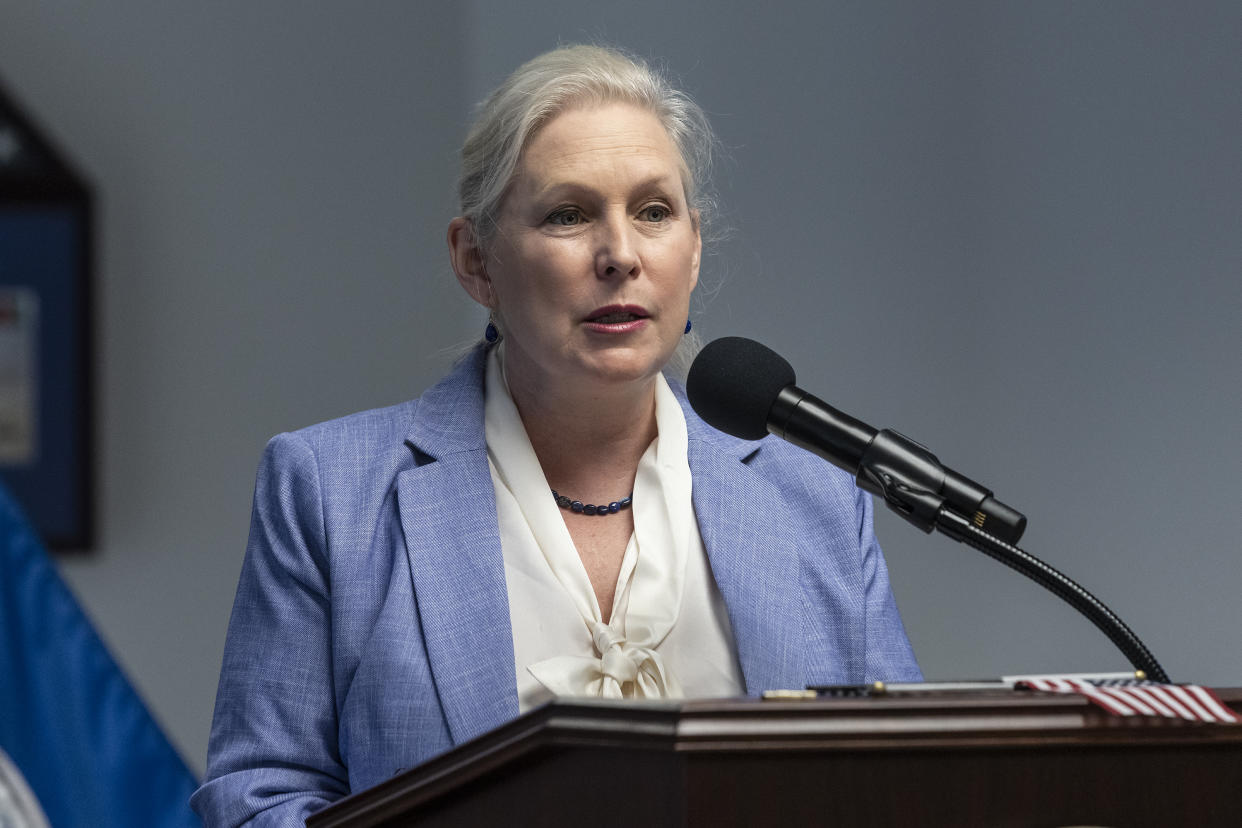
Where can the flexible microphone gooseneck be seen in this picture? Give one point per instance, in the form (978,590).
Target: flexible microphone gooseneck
(746,389)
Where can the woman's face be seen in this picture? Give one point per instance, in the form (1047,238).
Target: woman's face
(596,251)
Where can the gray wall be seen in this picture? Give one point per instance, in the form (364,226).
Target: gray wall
(1010,231)
(275,181)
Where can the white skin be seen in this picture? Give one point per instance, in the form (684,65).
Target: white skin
(589,277)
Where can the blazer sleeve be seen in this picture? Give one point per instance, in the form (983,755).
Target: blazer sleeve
(273,754)
(889,656)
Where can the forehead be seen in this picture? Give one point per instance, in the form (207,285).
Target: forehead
(597,144)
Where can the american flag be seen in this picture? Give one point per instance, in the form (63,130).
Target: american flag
(1134,697)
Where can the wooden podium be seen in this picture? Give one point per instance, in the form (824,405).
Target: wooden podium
(992,758)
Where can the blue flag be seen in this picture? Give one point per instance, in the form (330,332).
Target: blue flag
(69,719)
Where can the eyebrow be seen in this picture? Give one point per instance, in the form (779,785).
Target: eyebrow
(659,181)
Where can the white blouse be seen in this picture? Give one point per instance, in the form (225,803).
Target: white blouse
(669,635)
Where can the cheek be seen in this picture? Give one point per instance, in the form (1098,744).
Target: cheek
(556,267)
(539,277)
(678,266)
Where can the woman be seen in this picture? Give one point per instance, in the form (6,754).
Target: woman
(415,577)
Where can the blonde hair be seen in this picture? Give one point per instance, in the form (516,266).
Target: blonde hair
(548,85)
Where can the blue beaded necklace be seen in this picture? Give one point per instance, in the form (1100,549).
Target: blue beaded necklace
(590,508)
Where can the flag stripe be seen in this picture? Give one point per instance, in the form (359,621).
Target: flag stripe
(1222,713)
(1136,702)
(1167,700)
(1115,705)
(1130,697)
(1192,703)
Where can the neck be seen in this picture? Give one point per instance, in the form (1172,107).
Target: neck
(588,437)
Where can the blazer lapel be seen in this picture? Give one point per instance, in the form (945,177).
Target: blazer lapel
(447,508)
(448,514)
(752,545)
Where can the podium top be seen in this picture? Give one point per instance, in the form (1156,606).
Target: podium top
(928,722)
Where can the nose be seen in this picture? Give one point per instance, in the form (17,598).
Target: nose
(616,253)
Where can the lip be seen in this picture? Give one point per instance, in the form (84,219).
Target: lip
(639,319)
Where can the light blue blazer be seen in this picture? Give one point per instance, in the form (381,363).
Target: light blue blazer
(371,626)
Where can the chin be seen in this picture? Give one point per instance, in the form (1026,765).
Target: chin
(625,367)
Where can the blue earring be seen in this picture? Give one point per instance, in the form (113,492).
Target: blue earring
(687,326)
(490,333)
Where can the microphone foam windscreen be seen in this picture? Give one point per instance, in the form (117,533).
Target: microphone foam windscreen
(733,383)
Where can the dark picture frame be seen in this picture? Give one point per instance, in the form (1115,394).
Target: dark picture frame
(46,336)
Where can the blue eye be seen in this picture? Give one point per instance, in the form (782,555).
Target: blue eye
(655,213)
(565,218)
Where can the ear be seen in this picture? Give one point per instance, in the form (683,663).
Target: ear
(698,251)
(467,259)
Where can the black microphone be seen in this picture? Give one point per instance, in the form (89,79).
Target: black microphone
(746,389)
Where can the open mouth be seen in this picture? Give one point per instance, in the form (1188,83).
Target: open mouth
(616,318)
(617,315)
